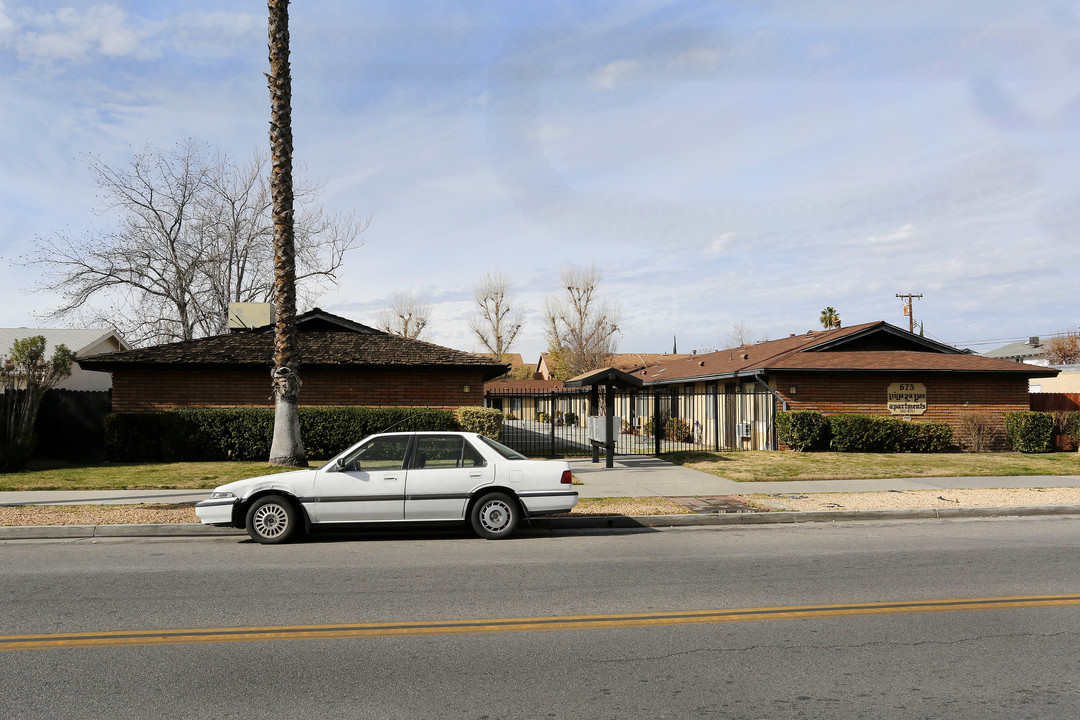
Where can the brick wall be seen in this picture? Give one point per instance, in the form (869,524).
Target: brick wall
(167,388)
(948,398)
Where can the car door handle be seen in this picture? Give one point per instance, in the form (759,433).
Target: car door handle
(476,474)
(389,477)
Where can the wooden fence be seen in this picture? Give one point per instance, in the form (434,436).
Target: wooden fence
(1052,402)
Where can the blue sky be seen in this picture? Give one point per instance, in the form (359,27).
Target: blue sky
(722,162)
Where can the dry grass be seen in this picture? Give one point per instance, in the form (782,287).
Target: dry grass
(628,506)
(775,466)
(158,476)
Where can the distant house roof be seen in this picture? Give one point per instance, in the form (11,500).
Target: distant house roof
(75,339)
(627,362)
(323,339)
(870,347)
(512,359)
(1028,350)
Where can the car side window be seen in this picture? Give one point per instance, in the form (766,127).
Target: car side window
(385,453)
(445,451)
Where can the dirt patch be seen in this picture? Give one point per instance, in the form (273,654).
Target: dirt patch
(912,499)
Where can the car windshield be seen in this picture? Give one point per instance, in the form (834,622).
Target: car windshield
(502,449)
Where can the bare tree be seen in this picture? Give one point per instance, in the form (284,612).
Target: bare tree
(582,329)
(1063,349)
(237,216)
(407,316)
(287,447)
(497,321)
(739,334)
(193,233)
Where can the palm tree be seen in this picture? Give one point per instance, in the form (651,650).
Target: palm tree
(287,448)
(830,318)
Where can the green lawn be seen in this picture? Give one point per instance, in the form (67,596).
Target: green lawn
(773,466)
(740,466)
(182,476)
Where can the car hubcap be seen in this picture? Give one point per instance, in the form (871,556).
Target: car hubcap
(495,516)
(270,520)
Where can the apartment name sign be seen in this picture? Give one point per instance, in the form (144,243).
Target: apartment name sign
(907,398)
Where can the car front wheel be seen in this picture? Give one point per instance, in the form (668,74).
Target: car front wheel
(272,519)
(495,516)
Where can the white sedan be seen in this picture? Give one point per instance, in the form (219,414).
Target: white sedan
(394,477)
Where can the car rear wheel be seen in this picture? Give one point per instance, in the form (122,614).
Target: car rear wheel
(272,519)
(495,516)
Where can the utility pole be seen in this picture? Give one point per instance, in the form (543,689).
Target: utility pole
(907,309)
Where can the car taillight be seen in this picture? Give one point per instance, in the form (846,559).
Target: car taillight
(567,478)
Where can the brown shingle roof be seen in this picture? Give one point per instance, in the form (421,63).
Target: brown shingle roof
(316,348)
(893,349)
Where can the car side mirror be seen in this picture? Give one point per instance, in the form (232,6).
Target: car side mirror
(333,466)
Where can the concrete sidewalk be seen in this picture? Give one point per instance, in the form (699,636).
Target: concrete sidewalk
(649,476)
(631,477)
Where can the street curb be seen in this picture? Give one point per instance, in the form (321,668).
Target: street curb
(783,517)
(582,522)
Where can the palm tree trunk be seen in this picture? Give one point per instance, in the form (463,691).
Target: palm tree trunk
(287,448)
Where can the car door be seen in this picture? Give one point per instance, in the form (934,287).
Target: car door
(367,485)
(444,471)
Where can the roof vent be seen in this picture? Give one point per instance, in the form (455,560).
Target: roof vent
(1033,341)
(745,356)
(701,364)
(809,333)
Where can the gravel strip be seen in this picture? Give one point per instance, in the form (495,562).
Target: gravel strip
(97,514)
(910,499)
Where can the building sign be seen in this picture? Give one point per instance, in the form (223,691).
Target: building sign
(907,398)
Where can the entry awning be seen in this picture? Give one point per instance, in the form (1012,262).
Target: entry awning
(608,376)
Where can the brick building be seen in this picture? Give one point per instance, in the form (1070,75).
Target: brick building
(873,368)
(342,363)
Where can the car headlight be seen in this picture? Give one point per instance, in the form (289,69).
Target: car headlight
(221,495)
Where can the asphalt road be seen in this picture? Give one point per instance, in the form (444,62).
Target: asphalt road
(835,663)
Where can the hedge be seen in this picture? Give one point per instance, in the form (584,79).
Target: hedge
(1028,431)
(246,434)
(874,433)
(486,421)
(802,429)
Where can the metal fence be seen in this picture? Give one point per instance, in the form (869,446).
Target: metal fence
(650,422)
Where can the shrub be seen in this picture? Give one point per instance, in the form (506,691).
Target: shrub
(570,419)
(873,433)
(802,429)
(482,420)
(1028,431)
(678,430)
(246,434)
(671,428)
(978,431)
(1066,426)
(543,417)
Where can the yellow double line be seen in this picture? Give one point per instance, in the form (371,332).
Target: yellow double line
(584,622)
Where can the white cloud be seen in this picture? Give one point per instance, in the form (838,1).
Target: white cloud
(720,244)
(900,233)
(6,25)
(76,34)
(701,58)
(614,73)
(106,31)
